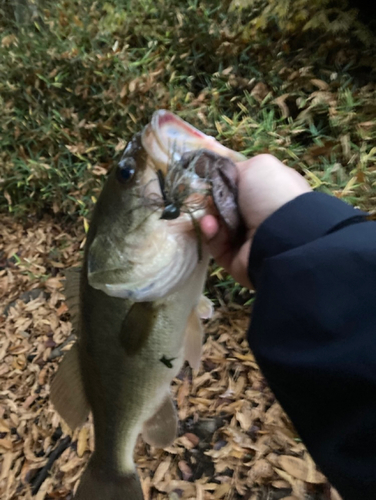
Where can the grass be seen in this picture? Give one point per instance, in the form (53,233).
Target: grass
(80,78)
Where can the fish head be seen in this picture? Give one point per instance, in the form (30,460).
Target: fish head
(143,242)
(120,224)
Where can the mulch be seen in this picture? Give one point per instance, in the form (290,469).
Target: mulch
(234,439)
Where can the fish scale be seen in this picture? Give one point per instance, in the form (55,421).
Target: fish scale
(139,300)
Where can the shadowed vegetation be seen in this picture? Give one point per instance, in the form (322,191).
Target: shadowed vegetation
(79,78)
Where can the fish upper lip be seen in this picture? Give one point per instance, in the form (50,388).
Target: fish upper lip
(162,116)
(159,120)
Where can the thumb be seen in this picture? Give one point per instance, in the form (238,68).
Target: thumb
(217,239)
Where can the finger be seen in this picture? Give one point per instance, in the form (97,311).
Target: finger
(209,226)
(218,240)
(233,260)
(239,265)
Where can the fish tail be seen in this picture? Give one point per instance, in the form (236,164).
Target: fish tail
(100,482)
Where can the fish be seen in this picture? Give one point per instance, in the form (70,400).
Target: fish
(137,302)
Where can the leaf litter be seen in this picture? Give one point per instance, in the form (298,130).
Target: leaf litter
(234,439)
(295,79)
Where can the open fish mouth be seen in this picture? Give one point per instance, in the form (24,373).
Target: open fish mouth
(167,137)
(168,141)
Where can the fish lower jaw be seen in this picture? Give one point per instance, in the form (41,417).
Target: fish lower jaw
(152,292)
(123,292)
(154,279)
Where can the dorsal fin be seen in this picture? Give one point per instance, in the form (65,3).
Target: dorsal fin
(67,391)
(72,294)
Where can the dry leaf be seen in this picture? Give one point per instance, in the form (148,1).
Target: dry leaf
(320,84)
(161,471)
(82,441)
(185,470)
(223,418)
(298,468)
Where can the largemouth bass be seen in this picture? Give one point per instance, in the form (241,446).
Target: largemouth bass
(136,304)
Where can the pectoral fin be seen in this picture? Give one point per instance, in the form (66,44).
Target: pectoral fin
(137,327)
(161,429)
(67,391)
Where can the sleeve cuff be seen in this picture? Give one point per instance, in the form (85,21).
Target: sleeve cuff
(304,219)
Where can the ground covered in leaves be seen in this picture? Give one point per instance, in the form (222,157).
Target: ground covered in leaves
(234,440)
(296,79)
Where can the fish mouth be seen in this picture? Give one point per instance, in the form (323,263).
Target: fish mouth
(166,140)
(167,137)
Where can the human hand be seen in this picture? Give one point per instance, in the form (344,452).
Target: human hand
(264,185)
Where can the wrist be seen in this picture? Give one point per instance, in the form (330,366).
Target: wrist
(305,218)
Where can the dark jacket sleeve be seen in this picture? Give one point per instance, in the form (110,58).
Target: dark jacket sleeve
(313,331)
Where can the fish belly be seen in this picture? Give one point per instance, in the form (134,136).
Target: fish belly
(129,368)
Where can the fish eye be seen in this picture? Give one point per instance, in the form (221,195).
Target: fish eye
(170,212)
(125,169)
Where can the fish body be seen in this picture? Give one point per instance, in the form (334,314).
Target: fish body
(139,303)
